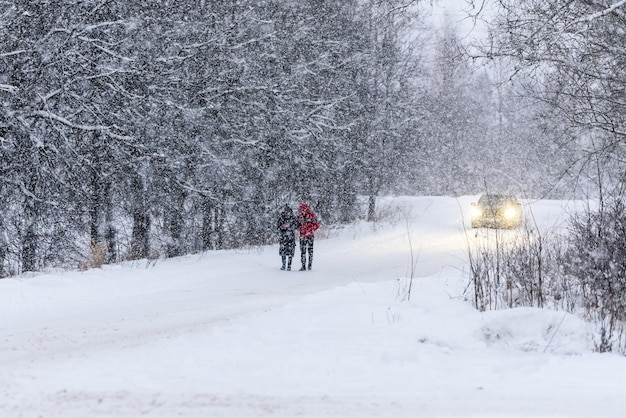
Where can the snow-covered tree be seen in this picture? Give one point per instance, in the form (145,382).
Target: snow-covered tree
(573,52)
(171,127)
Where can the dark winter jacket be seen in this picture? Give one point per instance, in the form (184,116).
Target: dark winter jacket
(307,221)
(286,226)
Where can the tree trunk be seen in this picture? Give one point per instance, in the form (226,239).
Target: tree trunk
(220,214)
(110,234)
(3,252)
(371,208)
(175,225)
(29,249)
(207,223)
(95,209)
(31,215)
(139,245)
(4,241)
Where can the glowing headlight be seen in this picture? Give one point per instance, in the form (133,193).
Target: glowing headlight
(476,212)
(510,213)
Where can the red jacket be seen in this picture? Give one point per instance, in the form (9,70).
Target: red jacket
(307,220)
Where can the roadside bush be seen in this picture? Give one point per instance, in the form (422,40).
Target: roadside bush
(96,256)
(513,268)
(581,270)
(595,260)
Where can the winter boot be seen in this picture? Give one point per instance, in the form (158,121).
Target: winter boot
(289,264)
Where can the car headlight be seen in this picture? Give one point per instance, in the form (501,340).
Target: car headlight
(511,213)
(476,212)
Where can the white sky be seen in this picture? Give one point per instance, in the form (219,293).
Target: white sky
(458,12)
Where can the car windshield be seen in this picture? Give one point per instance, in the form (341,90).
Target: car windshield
(495,200)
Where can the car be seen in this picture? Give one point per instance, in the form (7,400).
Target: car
(496,211)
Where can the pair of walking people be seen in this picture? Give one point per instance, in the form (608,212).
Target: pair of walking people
(306,223)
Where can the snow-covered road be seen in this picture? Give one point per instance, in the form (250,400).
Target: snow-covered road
(227,334)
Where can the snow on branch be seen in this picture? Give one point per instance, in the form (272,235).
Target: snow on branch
(64,121)
(247,143)
(90,28)
(9,54)
(250,41)
(602,13)
(8,88)
(105,50)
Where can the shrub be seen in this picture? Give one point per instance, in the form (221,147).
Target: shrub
(96,255)
(596,260)
(580,270)
(512,268)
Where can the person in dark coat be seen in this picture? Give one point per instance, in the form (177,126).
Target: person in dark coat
(308,224)
(286,226)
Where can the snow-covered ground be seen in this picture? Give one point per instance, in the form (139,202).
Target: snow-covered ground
(227,334)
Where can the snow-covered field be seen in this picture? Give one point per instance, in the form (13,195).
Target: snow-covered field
(227,334)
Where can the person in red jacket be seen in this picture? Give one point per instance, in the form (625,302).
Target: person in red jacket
(308,225)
